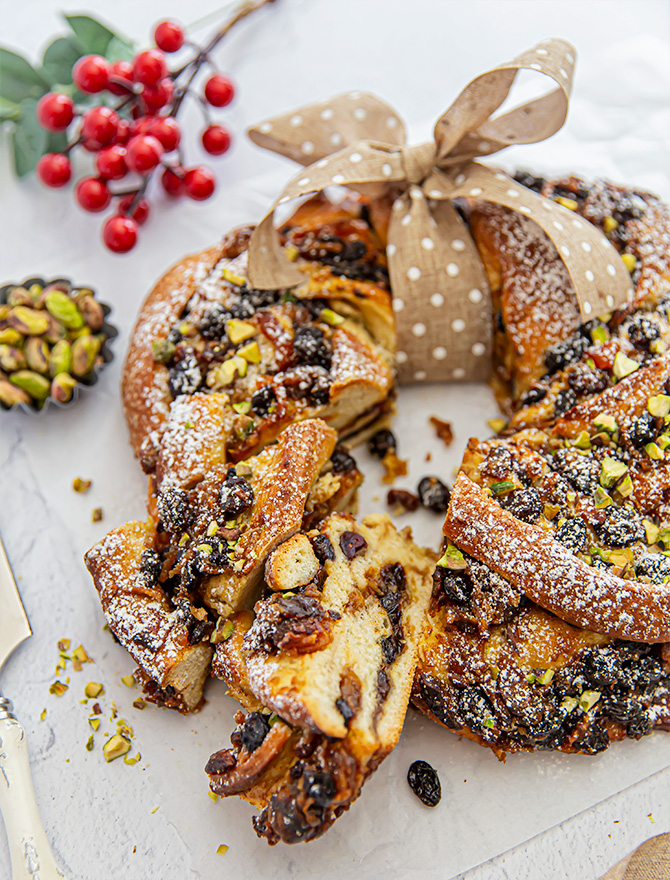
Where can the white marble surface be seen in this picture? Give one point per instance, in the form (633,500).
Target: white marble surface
(417,55)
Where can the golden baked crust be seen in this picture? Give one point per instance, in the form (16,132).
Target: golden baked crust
(325,349)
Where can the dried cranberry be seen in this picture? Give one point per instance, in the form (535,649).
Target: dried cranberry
(323,548)
(312,347)
(425,783)
(236,496)
(381,442)
(341,460)
(173,510)
(434,494)
(352,544)
(263,400)
(254,731)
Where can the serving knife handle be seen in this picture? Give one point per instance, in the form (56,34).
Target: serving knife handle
(31,854)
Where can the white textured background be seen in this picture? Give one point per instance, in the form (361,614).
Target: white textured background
(418,55)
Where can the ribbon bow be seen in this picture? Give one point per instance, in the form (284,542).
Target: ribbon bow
(439,284)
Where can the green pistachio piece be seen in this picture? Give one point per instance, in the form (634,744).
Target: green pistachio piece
(10,394)
(37,386)
(64,309)
(19,297)
(331,317)
(163,350)
(600,334)
(62,387)
(625,487)
(502,487)
(611,470)
(624,366)
(582,441)
(54,331)
(243,407)
(10,336)
(588,699)
(85,350)
(37,354)
(453,559)
(604,422)
(11,358)
(601,498)
(92,312)
(28,321)
(654,452)
(651,531)
(659,405)
(60,360)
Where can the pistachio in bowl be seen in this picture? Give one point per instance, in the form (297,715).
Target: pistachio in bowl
(54,340)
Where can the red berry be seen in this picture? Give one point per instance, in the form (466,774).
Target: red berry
(111,162)
(219,90)
(149,67)
(54,169)
(173,183)
(167,131)
(155,97)
(143,125)
(92,194)
(169,36)
(216,140)
(100,125)
(122,132)
(55,111)
(91,74)
(143,153)
(199,183)
(141,212)
(121,70)
(120,234)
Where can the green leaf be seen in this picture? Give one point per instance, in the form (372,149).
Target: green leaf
(120,49)
(29,139)
(56,142)
(18,78)
(9,110)
(59,59)
(94,36)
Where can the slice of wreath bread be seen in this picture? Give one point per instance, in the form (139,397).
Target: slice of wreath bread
(164,584)
(324,349)
(331,652)
(545,359)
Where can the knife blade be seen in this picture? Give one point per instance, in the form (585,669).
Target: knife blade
(14,626)
(28,845)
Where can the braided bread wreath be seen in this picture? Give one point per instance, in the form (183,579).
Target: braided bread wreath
(542,623)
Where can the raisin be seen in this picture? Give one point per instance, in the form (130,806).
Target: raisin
(393,576)
(174,510)
(524,504)
(150,567)
(642,430)
(185,377)
(581,470)
(260,299)
(254,731)
(565,400)
(381,442)
(213,322)
(345,710)
(211,554)
(584,379)
(390,602)
(341,460)
(455,587)
(654,566)
(220,762)
(403,498)
(559,356)
(442,700)
(392,647)
(533,395)
(573,534)
(236,496)
(352,544)
(383,685)
(323,548)
(623,709)
(477,711)
(319,393)
(319,786)
(620,527)
(434,494)
(263,400)
(594,740)
(312,348)
(641,725)
(642,331)
(525,178)
(354,250)
(425,783)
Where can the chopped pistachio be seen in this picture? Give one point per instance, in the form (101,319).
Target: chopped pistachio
(663,441)
(227,630)
(205,549)
(139,704)
(184,539)
(550,511)
(232,278)
(600,334)
(163,350)
(89,743)
(629,262)
(43,714)
(243,407)
(292,252)
(453,559)
(221,849)
(225,374)
(651,531)
(115,747)
(605,422)
(610,224)
(331,317)
(239,331)
(96,514)
(251,353)
(502,487)
(243,469)
(569,703)
(654,451)
(489,722)
(497,425)
(94,722)
(58,688)
(128,680)
(289,297)
(155,809)
(273,718)
(546,676)
(80,485)
(658,346)
(212,528)
(625,487)
(659,405)
(132,760)
(588,699)
(624,366)
(64,644)
(80,656)
(570,204)
(213,796)
(93,689)
(611,470)
(601,498)
(582,441)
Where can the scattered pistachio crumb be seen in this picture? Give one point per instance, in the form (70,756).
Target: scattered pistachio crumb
(96,515)
(154,810)
(133,760)
(497,425)
(629,262)
(94,722)
(93,689)
(115,747)
(213,796)
(89,743)
(128,680)
(80,485)
(222,849)
(64,645)
(139,704)
(43,714)
(58,688)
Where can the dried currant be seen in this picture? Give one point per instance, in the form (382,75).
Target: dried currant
(642,430)
(559,356)
(185,377)
(254,731)
(620,526)
(642,331)
(573,534)
(352,544)
(393,577)
(402,498)
(425,783)
(381,442)
(323,548)
(212,325)
(174,510)
(263,400)
(311,346)
(524,504)
(434,494)
(341,460)
(319,786)
(565,400)
(654,566)
(456,587)
(236,495)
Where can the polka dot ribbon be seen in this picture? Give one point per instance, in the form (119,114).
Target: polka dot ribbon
(440,291)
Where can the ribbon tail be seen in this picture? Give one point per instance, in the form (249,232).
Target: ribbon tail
(268,267)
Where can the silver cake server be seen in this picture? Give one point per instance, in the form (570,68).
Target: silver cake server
(31,854)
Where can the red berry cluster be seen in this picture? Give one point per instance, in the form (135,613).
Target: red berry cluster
(137,135)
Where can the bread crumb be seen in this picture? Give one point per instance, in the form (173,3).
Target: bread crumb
(443,430)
